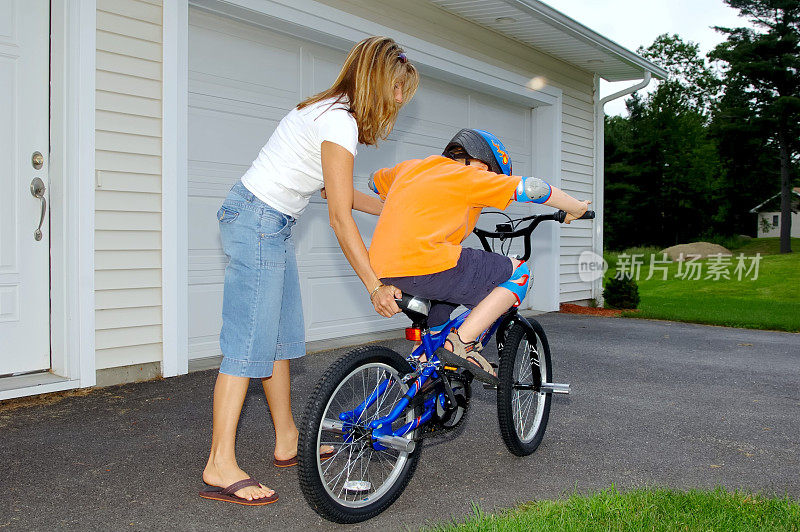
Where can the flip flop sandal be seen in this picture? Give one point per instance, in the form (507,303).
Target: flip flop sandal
(466,355)
(227,494)
(293,460)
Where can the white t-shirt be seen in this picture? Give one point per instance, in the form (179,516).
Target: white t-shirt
(288,169)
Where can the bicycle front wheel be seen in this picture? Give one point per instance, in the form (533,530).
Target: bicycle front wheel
(522,409)
(358,482)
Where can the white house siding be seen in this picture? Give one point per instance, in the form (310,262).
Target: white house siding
(128,183)
(775,230)
(426,21)
(577,170)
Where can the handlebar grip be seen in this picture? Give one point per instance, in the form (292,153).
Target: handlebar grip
(560,216)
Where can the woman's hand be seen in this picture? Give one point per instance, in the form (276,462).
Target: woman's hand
(383,299)
(584,206)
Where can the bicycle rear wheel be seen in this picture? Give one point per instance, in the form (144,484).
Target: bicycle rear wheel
(523,410)
(358,482)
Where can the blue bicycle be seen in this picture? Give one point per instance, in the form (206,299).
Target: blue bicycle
(375,407)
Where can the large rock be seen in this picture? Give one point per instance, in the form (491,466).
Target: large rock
(704,249)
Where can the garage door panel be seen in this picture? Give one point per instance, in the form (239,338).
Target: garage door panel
(335,304)
(207,266)
(323,68)
(370,158)
(213,179)
(313,232)
(314,235)
(208,297)
(498,116)
(270,66)
(233,112)
(208,92)
(204,229)
(226,137)
(444,101)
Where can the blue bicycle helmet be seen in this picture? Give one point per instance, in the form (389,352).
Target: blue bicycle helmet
(480,145)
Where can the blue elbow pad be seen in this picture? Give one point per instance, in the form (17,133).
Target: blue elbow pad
(518,282)
(533,190)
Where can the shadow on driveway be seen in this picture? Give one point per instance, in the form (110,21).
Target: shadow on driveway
(653,404)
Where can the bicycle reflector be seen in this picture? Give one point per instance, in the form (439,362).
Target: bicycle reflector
(414,334)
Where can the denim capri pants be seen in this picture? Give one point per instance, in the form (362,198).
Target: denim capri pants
(262,312)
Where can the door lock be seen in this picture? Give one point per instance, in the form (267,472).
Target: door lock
(37,160)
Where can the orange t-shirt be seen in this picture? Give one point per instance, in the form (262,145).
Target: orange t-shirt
(431,206)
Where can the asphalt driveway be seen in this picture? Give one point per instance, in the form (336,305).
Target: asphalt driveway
(653,404)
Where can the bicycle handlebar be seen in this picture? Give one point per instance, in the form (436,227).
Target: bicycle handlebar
(505,231)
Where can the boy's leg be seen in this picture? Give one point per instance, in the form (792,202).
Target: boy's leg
(487,311)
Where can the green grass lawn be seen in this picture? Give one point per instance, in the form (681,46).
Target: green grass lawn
(644,509)
(772,301)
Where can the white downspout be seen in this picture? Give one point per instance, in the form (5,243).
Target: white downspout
(599,169)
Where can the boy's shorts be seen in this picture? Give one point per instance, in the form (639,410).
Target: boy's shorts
(476,274)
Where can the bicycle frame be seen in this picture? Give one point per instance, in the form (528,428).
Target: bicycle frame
(382,427)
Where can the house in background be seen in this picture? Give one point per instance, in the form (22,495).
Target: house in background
(125,122)
(768,223)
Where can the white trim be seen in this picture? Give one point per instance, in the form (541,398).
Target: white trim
(323,24)
(599,185)
(174,236)
(546,139)
(40,388)
(81,73)
(72,104)
(599,169)
(754,210)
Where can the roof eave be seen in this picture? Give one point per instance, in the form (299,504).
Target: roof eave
(591,37)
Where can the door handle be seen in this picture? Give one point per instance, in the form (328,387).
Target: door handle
(37,191)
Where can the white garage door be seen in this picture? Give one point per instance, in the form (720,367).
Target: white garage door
(242,81)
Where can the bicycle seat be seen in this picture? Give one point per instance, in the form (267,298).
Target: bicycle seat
(416,308)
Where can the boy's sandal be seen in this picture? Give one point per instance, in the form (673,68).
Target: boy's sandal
(467,355)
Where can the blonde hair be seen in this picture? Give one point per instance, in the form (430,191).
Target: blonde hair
(367,80)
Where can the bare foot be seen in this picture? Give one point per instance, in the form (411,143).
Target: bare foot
(224,476)
(286,448)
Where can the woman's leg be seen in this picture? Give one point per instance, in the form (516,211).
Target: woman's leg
(222,469)
(277,390)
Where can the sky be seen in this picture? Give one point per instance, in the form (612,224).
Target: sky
(634,23)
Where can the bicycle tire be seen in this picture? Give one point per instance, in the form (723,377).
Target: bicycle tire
(316,490)
(513,403)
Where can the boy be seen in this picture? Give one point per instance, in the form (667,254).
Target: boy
(431,206)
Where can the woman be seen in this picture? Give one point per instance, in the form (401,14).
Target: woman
(313,148)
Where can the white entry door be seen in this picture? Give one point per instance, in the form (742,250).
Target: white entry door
(24,251)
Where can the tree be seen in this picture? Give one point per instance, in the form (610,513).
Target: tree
(662,171)
(747,157)
(691,82)
(765,65)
